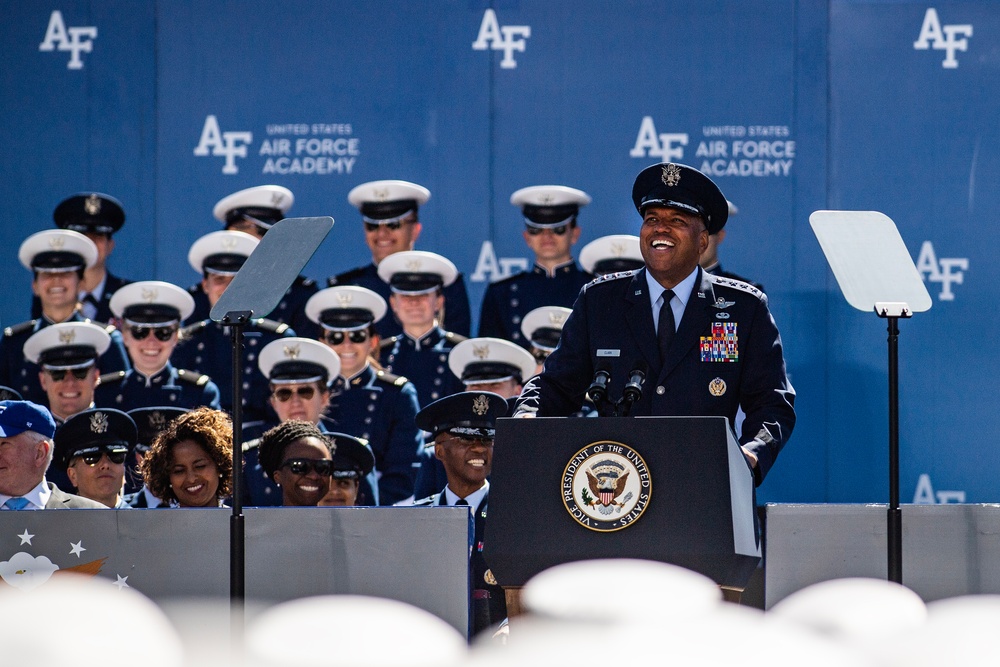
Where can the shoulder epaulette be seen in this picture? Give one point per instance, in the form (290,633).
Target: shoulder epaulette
(107,378)
(388,342)
(273,326)
(252,444)
(608,277)
(19,328)
(737,284)
(345,277)
(192,329)
(107,326)
(454,337)
(397,380)
(429,500)
(197,379)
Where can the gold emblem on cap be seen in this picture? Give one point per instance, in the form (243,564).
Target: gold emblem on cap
(149,294)
(380,194)
(414,264)
(67,336)
(345,298)
(292,351)
(546,199)
(556,317)
(717,387)
(617,249)
(671,175)
(481,405)
(92,205)
(157,420)
(98,422)
(229,242)
(277,198)
(489,578)
(57,241)
(481,351)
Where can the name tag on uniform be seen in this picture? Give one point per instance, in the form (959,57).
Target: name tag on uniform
(609,353)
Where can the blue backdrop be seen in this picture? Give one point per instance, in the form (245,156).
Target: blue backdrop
(791,106)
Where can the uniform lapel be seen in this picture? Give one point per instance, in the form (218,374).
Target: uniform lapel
(697,317)
(639,318)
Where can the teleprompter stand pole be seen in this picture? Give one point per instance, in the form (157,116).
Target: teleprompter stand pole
(236,320)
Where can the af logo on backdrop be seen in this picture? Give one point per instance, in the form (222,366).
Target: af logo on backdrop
(230,145)
(506,38)
(946,271)
(948,38)
(76,39)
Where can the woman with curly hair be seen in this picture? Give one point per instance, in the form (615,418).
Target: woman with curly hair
(190,463)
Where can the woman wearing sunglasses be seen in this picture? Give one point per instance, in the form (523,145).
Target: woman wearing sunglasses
(91,448)
(151,312)
(299,372)
(368,402)
(190,463)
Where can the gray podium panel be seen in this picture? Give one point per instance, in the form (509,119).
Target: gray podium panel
(948,550)
(419,555)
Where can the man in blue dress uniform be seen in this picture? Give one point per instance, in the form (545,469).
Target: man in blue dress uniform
(463,426)
(707,345)
(57,258)
(389,211)
(98,217)
(550,218)
(151,312)
(368,402)
(206,346)
(92,449)
(420,353)
(254,211)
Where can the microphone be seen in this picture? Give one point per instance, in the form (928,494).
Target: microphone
(598,390)
(633,390)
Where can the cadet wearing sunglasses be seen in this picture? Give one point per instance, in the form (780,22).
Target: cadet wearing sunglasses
(151,312)
(67,354)
(390,215)
(550,231)
(299,371)
(91,447)
(368,402)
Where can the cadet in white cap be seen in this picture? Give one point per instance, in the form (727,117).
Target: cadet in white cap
(709,259)
(611,254)
(550,219)
(543,327)
(206,346)
(98,217)
(254,211)
(151,312)
(57,258)
(299,372)
(390,213)
(368,402)
(420,353)
(67,355)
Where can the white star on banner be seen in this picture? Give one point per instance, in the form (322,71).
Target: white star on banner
(26,537)
(76,549)
(122,582)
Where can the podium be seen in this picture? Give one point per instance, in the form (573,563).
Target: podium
(670,489)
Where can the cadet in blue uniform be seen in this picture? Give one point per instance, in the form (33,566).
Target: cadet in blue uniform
(92,448)
(98,217)
(368,402)
(299,372)
(206,346)
(611,254)
(149,422)
(550,218)
(67,354)
(463,426)
(389,210)
(710,258)
(151,312)
(254,211)
(57,258)
(421,352)
(482,364)
(707,345)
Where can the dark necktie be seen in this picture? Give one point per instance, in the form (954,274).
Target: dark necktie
(665,327)
(462,501)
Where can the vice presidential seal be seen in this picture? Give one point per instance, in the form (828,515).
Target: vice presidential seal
(606,486)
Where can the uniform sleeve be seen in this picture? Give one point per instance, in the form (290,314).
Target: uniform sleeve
(402,444)
(211,395)
(457,316)
(766,397)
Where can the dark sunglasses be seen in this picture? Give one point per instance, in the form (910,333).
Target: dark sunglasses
(58,375)
(391,226)
(284,394)
(162,334)
(540,355)
(558,231)
(337,337)
(322,467)
(92,458)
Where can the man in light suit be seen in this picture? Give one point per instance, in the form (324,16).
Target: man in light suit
(26,450)
(704,345)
